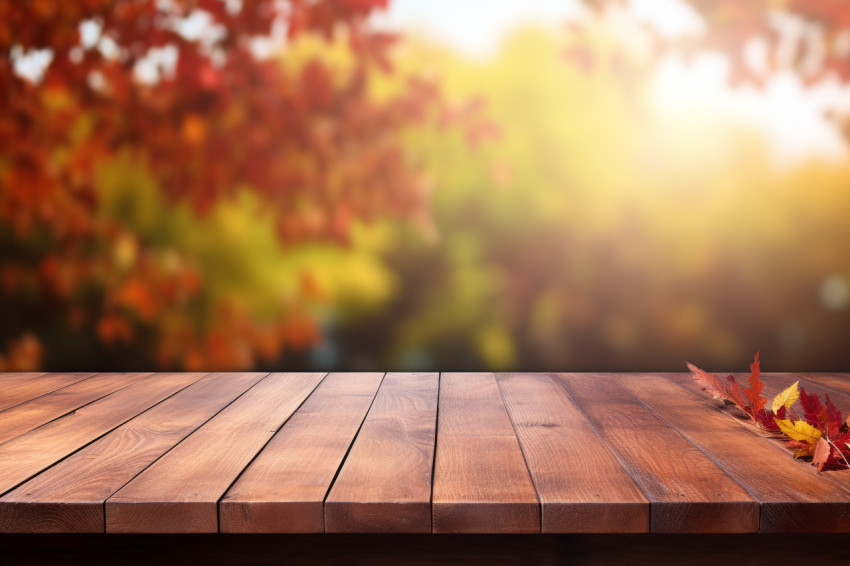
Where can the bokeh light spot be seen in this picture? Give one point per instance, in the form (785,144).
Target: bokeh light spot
(834,292)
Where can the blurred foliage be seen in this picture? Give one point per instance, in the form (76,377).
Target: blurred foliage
(169,197)
(350,206)
(601,232)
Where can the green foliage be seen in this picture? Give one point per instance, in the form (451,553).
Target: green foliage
(599,230)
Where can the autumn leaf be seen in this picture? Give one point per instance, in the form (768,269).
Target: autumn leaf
(833,417)
(734,393)
(801,449)
(799,430)
(821,454)
(753,392)
(707,382)
(787,398)
(748,400)
(813,410)
(823,435)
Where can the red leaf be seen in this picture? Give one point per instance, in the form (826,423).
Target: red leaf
(748,399)
(813,410)
(767,420)
(707,382)
(733,392)
(833,418)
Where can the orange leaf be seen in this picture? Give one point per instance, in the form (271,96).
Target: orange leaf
(821,455)
(753,392)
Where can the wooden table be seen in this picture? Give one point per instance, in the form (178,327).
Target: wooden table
(604,458)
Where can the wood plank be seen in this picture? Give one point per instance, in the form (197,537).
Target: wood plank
(688,493)
(179,493)
(824,386)
(32,414)
(69,497)
(12,377)
(581,485)
(385,483)
(833,381)
(17,388)
(481,483)
(792,496)
(837,381)
(284,488)
(24,456)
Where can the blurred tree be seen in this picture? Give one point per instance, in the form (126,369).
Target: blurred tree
(810,37)
(608,231)
(176,92)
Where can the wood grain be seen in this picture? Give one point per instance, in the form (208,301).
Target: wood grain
(481,483)
(30,453)
(385,483)
(284,488)
(511,453)
(69,497)
(32,414)
(688,492)
(792,496)
(581,485)
(17,388)
(179,493)
(834,381)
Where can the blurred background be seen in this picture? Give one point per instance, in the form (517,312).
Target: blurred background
(546,185)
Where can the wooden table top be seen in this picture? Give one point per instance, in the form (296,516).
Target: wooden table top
(401,452)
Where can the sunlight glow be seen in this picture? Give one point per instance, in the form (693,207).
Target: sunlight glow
(791,116)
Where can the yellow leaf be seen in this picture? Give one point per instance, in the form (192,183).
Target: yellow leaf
(786,398)
(799,430)
(804,451)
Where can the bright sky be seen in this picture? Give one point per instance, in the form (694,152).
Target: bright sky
(791,115)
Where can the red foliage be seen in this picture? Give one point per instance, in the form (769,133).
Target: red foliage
(300,138)
(748,399)
(821,434)
(732,24)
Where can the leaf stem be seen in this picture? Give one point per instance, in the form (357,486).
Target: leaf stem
(838,450)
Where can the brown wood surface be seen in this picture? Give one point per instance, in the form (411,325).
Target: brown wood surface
(581,485)
(385,483)
(30,453)
(284,488)
(688,492)
(481,483)
(179,493)
(17,388)
(395,453)
(793,497)
(32,414)
(837,382)
(69,497)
